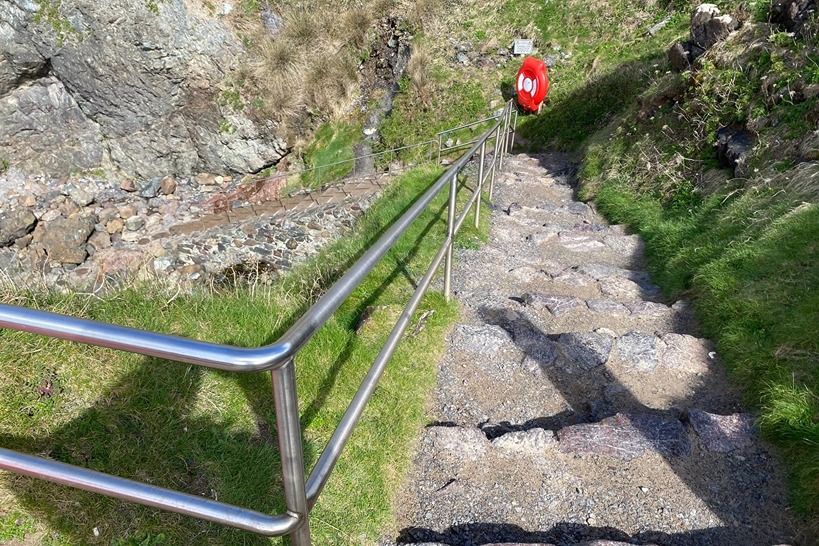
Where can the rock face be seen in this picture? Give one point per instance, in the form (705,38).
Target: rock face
(117,85)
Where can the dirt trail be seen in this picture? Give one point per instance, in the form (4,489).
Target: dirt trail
(575,404)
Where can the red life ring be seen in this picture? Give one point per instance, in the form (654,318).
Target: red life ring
(532,84)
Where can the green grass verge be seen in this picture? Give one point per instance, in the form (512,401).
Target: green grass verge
(333,142)
(211,433)
(751,263)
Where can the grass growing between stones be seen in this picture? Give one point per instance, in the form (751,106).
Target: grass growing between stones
(212,433)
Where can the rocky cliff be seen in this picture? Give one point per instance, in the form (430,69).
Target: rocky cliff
(123,85)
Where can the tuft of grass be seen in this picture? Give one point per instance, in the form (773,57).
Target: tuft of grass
(332,142)
(211,433)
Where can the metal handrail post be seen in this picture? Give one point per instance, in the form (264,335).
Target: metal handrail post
(291,449)
(480,185)
(514,131)
(439,150)
(453,188)
(504,134)
(495,161)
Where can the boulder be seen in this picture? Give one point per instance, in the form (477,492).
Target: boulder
(15,224)
(733,147)
(709,27)
(683,54)
(792,14)
(64,239)
(120,86)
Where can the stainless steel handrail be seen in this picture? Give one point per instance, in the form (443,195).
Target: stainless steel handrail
(278,357)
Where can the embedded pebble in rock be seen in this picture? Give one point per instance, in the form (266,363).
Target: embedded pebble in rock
(723,433)
(626,437)
(640,351)
(589,350)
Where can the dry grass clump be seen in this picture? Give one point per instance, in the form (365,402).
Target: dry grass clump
(419,73)
(307,72)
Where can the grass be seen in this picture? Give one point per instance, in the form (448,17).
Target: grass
(751,263)
(212,433)
(332,142)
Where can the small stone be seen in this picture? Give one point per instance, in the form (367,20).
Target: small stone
(64,239)
(292,244)
(128,185)
(134,223)
(686,353)
(723,433)
(205,179)
(114,226)
(99,240)
(646,308)
(148,188)
(107,214)
(126,211)
(79,196)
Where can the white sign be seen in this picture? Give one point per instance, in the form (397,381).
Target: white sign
(522,47)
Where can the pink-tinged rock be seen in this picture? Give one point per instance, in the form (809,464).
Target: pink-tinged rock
(686,353)
(626,437)
(117,262)
(723,433)
(640,351)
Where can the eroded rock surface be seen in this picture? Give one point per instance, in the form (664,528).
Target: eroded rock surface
(119,86)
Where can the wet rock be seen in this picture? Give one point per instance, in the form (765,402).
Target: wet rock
(723,433)
(640,351)
(529,442)
(64,239)
(709,27)
(588,349)
(15,224)
(626,437)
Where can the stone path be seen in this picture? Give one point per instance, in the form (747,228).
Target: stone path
(574,404)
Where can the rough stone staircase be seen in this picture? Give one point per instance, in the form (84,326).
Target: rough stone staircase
(574,405)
